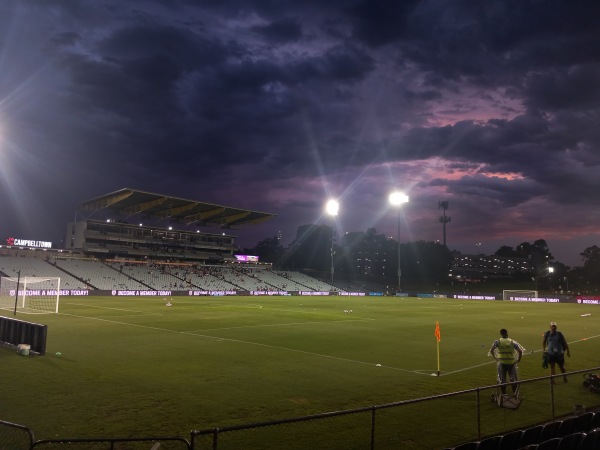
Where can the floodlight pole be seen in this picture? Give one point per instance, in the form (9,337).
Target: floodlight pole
(397,199)
(444,219)
(332,208)
(399,265)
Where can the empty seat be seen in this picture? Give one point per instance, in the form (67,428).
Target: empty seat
(584,422)
(570,441)
(490,443)
(511,440)
(531,435)
(550,444)
(595,422)
(567,427)
(591,440)
(550,431)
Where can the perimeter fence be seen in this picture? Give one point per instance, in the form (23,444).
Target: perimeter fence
(435,422)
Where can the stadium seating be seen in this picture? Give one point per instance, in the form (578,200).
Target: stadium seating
(573,433)
(567,427)
(531,435)
(490,443)
(590,440)
(511,440)
(594,422)
(550,431)
(571,441)
(584,422)
(550,444)
(33,267)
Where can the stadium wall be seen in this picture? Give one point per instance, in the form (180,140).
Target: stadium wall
(580,299)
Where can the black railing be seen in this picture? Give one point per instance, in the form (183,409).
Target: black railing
(439,421)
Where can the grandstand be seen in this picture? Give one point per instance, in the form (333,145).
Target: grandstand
(135,240)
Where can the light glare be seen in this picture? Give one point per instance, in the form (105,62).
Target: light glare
(398,198)
(332,207)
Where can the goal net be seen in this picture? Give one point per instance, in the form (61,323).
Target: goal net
(32,295)
(518,294)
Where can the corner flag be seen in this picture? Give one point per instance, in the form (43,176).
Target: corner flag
(438,336)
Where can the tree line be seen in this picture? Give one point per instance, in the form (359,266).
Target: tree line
(371,256)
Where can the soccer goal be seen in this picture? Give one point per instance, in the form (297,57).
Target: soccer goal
(31,295)
(511,294)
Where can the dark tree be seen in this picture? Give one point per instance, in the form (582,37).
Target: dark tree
(268,250)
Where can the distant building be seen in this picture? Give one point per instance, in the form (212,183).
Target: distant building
(480,267)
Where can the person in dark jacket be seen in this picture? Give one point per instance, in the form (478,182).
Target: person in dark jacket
(554,347)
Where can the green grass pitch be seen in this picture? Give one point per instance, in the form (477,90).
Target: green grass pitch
(134,367)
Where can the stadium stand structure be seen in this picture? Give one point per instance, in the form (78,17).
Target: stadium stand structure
(10,266)
(105,252)
(107,232)
(99,275)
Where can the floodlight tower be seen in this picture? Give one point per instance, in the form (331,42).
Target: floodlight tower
(444,219)
(397,199)
(332,208)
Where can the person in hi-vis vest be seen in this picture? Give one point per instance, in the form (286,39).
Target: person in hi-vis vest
(507,353)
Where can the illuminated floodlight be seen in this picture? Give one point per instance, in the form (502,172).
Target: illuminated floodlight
(550,269)
(398,198)
(332,207)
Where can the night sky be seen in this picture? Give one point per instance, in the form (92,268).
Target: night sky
(277,105)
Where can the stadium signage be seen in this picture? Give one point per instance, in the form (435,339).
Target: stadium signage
(269,293)
(141,293)
(534,299)
(475,297)
(588,301)
(213,293)
(38,292)
(28,243)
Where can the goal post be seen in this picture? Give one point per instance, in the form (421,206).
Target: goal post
(511,294)
(30,295)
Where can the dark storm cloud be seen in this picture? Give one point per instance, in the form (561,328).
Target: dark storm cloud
(275,105)
(281,31)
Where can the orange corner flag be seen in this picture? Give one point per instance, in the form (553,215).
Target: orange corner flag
(437,331)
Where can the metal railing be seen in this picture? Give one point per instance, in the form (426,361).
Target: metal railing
(438,421)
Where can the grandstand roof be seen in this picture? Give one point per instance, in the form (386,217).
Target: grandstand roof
(128,202)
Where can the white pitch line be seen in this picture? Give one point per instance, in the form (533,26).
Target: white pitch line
(106,307)
(279,325)
(337,358)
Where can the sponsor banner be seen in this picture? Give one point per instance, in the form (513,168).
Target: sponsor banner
(269,293)
(357,294)
(49,292)
(591,300)
(535,300)
(211,293)
(136,293)
(316,293)
(18,242)
(474,297)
